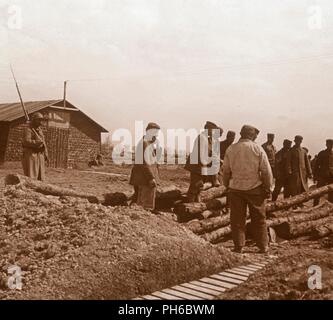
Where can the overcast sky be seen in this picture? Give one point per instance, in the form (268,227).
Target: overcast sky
(178,62)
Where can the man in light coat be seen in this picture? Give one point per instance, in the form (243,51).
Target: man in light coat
(248,176)
(35,154)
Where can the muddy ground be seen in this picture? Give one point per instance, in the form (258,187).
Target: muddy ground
(71,249)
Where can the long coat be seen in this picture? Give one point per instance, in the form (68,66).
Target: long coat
(197,161)
(145,169)
(323,168)
(34,153)
(299,169)
(281,172)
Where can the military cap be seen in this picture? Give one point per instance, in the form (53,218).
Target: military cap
(298,137)
(153,125)
(287,142)
(211,125)
(37,116)
(249,130)
(329,141)
(269,135)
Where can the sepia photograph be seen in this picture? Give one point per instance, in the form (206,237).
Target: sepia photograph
(175,151)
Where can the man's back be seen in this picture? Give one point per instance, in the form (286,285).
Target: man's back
(246,166)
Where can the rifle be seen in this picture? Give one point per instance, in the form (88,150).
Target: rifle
(19,93)
(26,115)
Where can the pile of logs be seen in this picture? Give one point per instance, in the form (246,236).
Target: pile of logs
(282,217)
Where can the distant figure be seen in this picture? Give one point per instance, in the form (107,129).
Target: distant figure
(35,153)
(323,170)
(298,168)
(144,175)
(281,175)
(270,150)
(97,162)
(248,176)
(197,166)
(224,145)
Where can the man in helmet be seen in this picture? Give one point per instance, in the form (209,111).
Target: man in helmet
(35,153)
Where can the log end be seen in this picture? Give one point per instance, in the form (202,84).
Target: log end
(12,180)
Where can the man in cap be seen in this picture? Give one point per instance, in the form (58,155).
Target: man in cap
(225,144)
(35,153)
(204,161)
(281,175)
(144,175)
(270,150)
(323,170)
(298,168)
(248,176)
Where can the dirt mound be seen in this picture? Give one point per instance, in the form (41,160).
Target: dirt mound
(287,278)
(68,248)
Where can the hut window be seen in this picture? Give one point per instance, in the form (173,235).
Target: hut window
(59,119)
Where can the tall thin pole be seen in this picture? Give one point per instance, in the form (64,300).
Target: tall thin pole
(65,92)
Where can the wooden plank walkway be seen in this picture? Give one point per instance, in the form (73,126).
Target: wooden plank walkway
(208,288)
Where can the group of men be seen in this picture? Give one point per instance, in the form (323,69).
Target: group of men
(245,168)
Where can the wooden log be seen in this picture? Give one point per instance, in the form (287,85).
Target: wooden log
(217,204)
(168,192)
(194,209)
(210,214)
(205,226)
(189,211)
(323,231)
(116,199)
(46,188)
(315,213)
(212,193)
(299,199)
(289,230)
(288,213)
(217,235)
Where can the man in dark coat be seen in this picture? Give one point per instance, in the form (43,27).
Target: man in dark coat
(298,168)
(270,150)
(144,175)
(35,154)
(204,161)
(323,170)
(224,145)
(281,176)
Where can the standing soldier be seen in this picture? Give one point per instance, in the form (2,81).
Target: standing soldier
(248,176)
(270,150)
(298,168)
(204,161)
(323,170)
(35,153)
(280,171)
(144,176)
